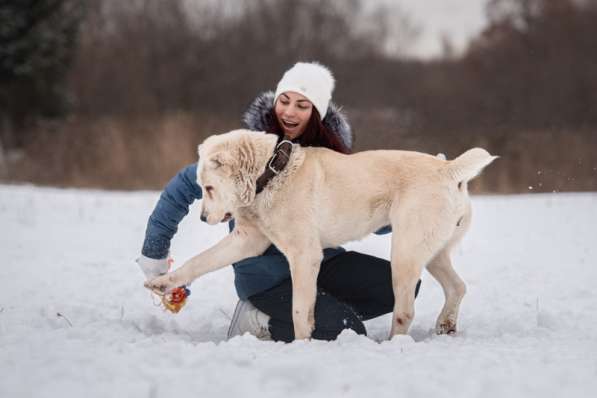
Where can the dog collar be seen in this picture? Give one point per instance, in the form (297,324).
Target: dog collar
(276,163)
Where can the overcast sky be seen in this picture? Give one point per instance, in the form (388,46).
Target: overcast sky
(457,19)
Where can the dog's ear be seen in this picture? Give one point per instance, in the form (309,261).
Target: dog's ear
(247,171)
(222,159)
(246,187)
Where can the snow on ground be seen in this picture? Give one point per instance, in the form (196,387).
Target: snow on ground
(527,324)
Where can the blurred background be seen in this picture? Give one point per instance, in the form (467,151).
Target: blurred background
(117,94)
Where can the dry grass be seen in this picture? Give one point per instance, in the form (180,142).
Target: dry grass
(530,160)
(144,153)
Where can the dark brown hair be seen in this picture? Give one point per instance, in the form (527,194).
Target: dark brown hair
(315,134)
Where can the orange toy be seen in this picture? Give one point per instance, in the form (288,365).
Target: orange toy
(176,299)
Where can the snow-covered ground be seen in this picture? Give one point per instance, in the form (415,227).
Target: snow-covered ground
(76,321)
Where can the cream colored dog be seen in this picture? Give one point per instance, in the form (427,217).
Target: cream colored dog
(324,199)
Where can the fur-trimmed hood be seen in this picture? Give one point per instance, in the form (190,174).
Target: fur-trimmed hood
(255,118)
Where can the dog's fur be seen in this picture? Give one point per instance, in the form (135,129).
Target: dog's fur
(324,199)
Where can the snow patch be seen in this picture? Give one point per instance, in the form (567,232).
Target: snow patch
(75,319)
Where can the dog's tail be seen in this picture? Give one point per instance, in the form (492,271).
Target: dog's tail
(468,165)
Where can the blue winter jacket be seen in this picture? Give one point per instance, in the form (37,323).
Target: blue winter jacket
(252,275)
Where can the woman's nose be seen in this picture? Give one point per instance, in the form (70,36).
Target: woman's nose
(289,111)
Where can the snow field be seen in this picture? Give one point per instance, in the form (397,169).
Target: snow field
(527,324)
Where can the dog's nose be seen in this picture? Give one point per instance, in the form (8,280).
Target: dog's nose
(203,218)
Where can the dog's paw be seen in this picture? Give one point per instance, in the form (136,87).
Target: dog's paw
(303,331)
(447,327)
(162,284)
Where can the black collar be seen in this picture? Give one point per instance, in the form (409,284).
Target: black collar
(276,163)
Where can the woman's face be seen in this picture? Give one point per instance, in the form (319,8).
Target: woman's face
(293,111)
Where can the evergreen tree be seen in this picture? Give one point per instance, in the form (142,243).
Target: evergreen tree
(37,42)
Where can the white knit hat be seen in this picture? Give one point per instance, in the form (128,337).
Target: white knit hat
(312,80)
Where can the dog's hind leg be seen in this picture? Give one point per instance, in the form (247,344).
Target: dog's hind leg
(454,289)
(406,271)
(420,230)
(440,267)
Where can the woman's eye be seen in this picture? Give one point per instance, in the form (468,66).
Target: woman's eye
(209,189)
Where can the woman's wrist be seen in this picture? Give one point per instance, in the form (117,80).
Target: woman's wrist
(152,267)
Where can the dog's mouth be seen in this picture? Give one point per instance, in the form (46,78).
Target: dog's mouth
(227,217)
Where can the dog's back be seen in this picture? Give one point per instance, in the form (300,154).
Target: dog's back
(352,194)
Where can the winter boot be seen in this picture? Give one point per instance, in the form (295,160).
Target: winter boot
(248,319)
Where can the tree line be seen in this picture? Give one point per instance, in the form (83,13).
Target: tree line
(525,87)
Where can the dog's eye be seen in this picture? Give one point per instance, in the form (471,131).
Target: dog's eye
(209,189)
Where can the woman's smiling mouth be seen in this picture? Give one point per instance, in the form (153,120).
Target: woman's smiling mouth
(288,124)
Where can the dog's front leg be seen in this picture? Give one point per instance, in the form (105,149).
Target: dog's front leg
(304,268)
(243,242)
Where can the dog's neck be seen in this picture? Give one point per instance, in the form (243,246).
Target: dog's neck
(275,164)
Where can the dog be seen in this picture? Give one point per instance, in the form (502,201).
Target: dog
(322,199)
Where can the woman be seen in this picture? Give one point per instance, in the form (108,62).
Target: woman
(352,286)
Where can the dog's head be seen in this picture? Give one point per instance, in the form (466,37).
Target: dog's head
(227,172)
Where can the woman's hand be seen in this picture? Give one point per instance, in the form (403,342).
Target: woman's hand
(165,284)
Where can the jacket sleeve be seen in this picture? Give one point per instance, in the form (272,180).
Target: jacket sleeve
(172,207)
